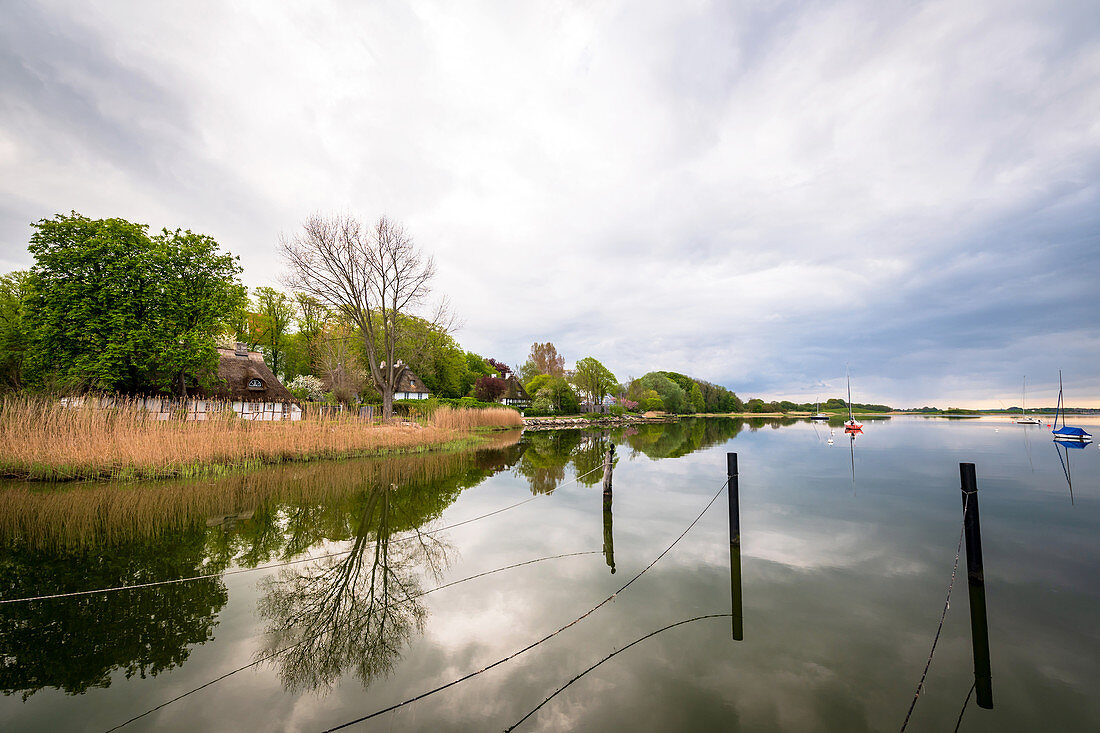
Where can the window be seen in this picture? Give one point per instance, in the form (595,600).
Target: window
(255,383)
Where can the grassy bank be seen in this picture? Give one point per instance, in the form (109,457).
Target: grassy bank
(44,440)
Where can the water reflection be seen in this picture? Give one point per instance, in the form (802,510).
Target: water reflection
(74,644)
(77,539)
(1064,447)
(355,613)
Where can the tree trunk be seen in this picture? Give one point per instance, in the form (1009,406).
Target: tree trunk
(182,382)
(387,403)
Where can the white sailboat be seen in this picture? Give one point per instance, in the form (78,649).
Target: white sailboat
(819,415)
(1023,419)
(850,424)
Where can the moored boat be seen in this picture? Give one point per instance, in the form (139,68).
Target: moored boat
(1066,432)
(851,425)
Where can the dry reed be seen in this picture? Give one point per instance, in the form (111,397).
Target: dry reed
(447,418)
(43,439)
(94,514)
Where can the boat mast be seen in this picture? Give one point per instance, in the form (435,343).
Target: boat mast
(850,418)
(1059,410)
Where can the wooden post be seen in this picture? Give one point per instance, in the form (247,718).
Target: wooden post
(608,533)
(608,459)
(975,577)
(735,547)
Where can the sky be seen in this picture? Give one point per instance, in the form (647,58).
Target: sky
(758,194)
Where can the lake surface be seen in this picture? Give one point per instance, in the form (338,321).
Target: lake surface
(846,554)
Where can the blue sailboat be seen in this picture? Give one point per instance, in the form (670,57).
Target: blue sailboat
(1066,432)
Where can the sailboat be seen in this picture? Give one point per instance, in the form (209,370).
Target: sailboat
(1066,432)
(819,415)
(851,425)
(1023,419)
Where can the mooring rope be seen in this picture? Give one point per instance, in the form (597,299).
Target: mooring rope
(609,656)
(534,644)
(946,606)
(965,703)
(258,568)
(284,650)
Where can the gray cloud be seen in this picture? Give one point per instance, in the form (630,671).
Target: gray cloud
(755,196)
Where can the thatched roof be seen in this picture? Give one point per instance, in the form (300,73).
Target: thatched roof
(243,375)
(409,382)
(514,389)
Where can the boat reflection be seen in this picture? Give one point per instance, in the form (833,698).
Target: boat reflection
(1064,447)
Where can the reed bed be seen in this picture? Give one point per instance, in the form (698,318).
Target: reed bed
(85,515)
(43,439)
(447,418)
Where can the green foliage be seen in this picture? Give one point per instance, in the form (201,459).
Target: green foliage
(537,382)
(672,397)
(112,308)
(682,381)
(555,396)
(275,314)
(696,396)
(593,379)
(14,288)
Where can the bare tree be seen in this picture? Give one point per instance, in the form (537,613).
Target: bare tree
(370,276)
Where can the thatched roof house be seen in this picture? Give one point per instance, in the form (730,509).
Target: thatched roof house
(244,377)
(409,386)
(515,394)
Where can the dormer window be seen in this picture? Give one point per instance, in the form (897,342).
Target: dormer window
(255,383)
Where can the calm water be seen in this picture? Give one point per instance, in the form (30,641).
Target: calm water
(847,550)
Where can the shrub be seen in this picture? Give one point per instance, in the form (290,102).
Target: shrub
(307,387)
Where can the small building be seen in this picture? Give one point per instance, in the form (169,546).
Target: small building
(515,394)
(253,390)
(409,386)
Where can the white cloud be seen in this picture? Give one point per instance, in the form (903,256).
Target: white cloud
(751,196)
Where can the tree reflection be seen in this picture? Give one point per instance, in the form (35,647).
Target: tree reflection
(356,612)
(672,440)
(544,461)
(76,643)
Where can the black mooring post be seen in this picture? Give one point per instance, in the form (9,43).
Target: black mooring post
(735,548)
(975,579)
(608,533)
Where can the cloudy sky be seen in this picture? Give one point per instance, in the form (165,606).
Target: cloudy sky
(754,195)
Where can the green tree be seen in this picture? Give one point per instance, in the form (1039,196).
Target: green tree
(313,317)
(276,313)
(14,289)
(112,308)
(697,403)
(672,396)
(554,394)
(593,379)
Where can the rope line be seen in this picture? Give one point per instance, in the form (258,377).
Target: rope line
(946,606)
(276,565)
(284,650)
(609,656)
(532,645)
(965,703)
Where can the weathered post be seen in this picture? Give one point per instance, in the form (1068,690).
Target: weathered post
(608,533)
(735,547)
(975,577)
(608,461)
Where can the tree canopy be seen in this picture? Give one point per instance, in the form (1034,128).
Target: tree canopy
(593,379)
(113,308)
(543,359)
